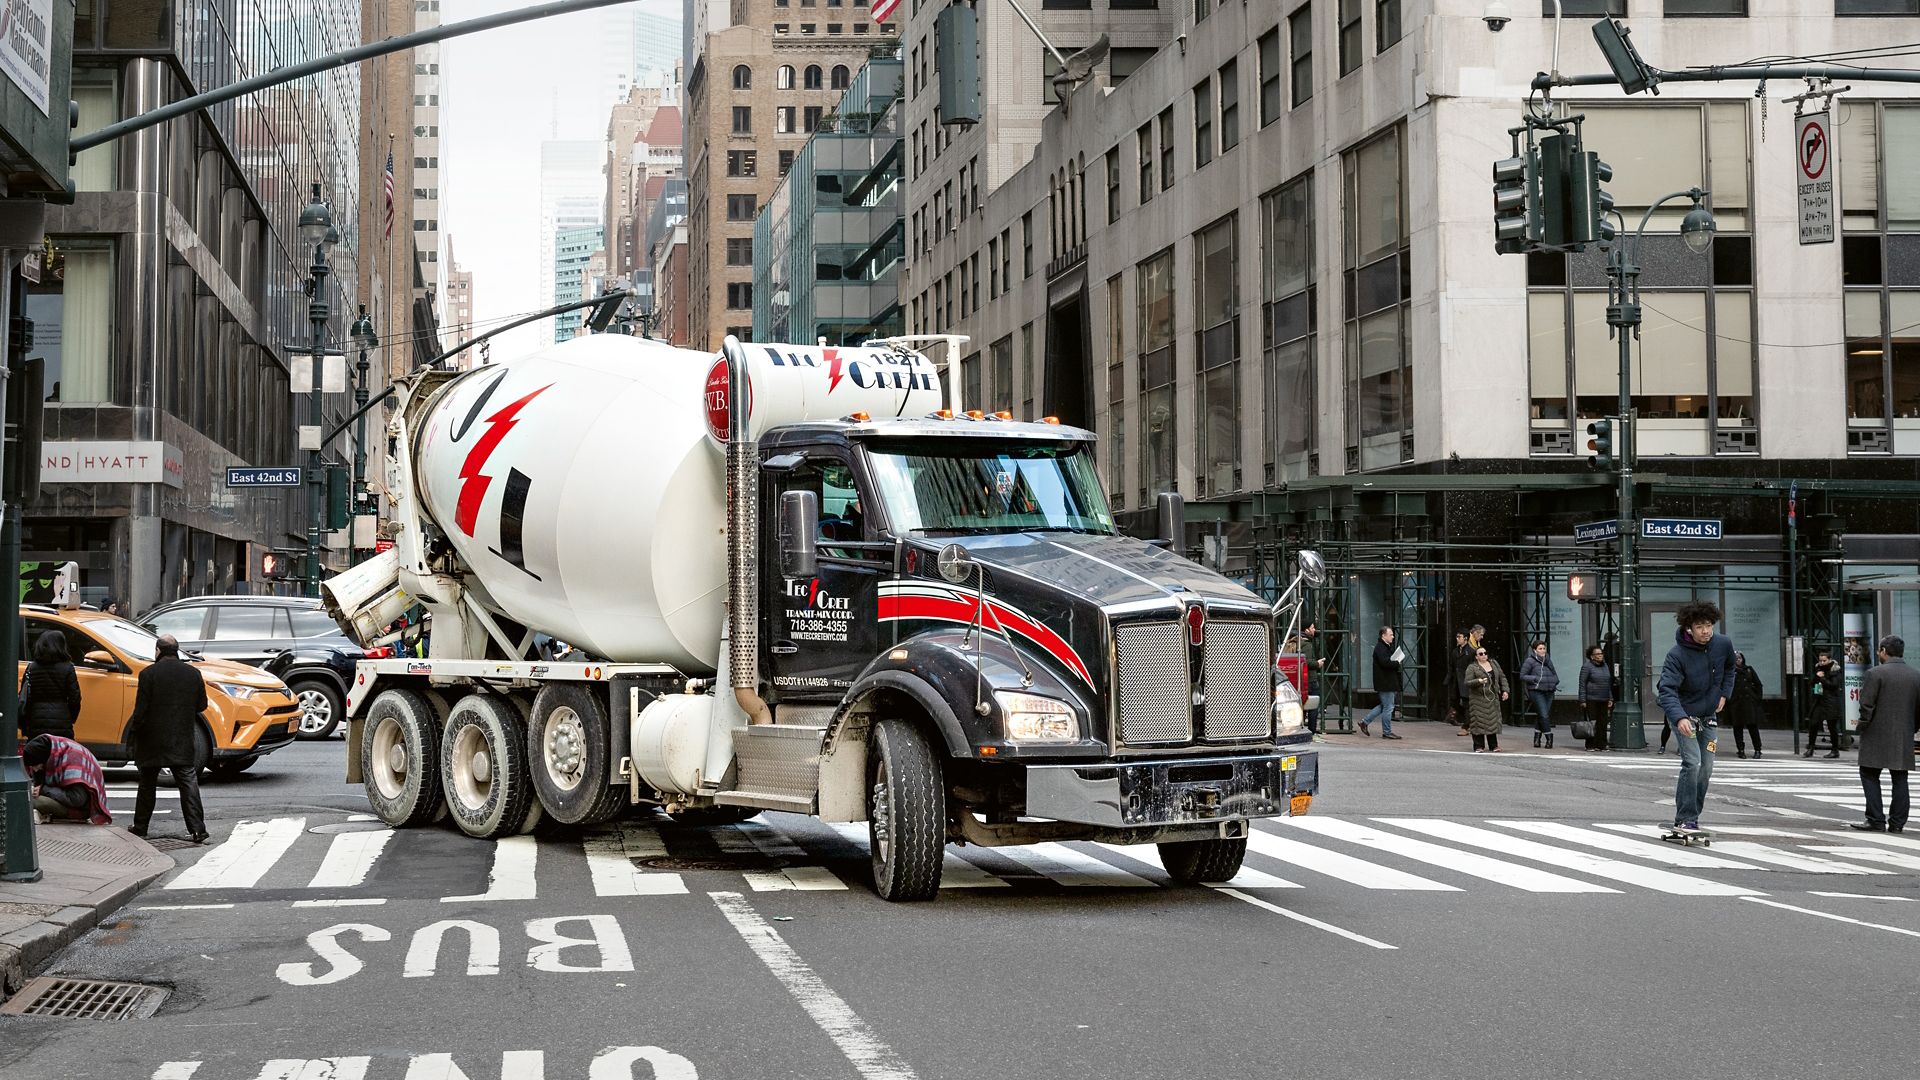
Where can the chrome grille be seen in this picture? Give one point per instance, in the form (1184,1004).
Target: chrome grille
(1239,666)
(1154,701)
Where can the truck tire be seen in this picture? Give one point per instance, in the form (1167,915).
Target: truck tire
(483,768)
(569,747)
(1197,862)
(714,815)
(906,813)
(400,759)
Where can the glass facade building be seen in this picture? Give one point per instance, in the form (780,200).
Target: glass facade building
(573,250)
(829,246)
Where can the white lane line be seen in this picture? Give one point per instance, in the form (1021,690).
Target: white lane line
(1646,877)
(871,1058)
(1247,878)
(1867,896)
(345,1068)
(1793,860)
(353,901)
(1829,915)
(1650,850)
(771,841)
(1336,865)
(362,817)
(610,860)
(349,859)
(185,907)
(130,793)
(955,871)
(176,1070)
(1875,855)
(511,877)
(244,858)
(1472,864)
(1307,919)
(1069,867)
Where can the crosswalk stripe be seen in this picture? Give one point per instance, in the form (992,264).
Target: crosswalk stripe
(1650,850)
(511,876)
(1472,864)
(1747,849)
(1884,838)
(610,860)
(1336,865)
(1647,877)
(955,872)
(1247,878)
(769,840)
(349,859)
(1069,867)
(244,858)
(131,793)
(1878,855)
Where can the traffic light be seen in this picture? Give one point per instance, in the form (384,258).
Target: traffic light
(1601,443)
(1590,204)
(339,496)
(273,566)
(1516,203)
(1583,586)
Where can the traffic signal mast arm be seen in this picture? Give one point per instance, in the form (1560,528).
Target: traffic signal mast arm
(1633,74)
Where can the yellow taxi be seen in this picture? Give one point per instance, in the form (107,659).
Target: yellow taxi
(249,712)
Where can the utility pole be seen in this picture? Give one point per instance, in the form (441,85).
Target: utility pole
(316,229)
(366,341)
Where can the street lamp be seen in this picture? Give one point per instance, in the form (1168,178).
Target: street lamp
(1623,315)
(317,231)
(366,341)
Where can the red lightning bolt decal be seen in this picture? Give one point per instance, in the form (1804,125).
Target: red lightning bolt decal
(473,486)
(813,595)
(833,369)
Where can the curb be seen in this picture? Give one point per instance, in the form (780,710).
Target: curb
(25,950)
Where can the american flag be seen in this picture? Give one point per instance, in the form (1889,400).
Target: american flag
(883,9)
(390,190)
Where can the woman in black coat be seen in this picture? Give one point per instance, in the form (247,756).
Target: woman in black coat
(50,691)
(1743,705)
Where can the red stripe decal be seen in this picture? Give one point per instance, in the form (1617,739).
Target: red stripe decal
(963,612)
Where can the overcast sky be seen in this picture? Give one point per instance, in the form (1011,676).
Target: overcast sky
(502,93)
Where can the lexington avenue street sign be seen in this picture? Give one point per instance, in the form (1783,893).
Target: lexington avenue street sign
(263,477)
(1680,528)
(1593,532)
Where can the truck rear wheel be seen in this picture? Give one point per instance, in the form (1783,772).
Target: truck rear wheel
(906,813)
(483,768)
(400,758)
(1199,862)
(569,748)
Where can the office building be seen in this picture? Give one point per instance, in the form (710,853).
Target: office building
(575,251)
(457,325)
(570,174)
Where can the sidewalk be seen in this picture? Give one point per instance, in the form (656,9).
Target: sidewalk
(1518,739)
(88,872)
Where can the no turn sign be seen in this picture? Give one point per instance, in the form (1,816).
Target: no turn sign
(1815,163)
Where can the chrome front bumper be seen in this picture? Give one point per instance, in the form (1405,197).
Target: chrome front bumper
(1184,791)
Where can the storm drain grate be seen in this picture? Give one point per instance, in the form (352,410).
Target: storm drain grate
(73,849)
(723,861)
(170,843)
(85,999)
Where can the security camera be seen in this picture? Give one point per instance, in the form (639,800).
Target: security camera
(1496,16)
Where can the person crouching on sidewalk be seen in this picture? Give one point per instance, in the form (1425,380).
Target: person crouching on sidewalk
(1694,684)
(67,783)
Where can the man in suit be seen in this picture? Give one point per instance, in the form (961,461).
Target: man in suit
(1888,701)
(166,720)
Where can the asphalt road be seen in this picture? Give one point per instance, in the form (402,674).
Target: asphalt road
(1437,915)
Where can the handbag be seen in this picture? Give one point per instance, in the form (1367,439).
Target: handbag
(1583,729)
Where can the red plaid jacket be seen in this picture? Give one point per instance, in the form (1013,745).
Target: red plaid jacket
(70,764)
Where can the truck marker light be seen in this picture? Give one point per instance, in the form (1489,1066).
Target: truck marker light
(1050,420)
(975,414)
(944,414)
(1003,415)
(897,654)
(989,751)
(859,417)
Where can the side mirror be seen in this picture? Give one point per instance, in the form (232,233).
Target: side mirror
(98,658)
(799,530)
(1173,520)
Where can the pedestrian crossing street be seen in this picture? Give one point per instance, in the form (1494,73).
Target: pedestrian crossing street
(1782,772)
(280,860)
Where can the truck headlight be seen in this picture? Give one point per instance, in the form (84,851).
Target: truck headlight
(236,691)
(1032,718)
(1289,716)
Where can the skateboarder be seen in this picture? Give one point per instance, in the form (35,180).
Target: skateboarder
(1694,685)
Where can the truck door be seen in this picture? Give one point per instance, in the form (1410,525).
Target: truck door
(822,631)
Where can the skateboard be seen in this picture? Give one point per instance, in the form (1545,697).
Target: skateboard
(1686,838)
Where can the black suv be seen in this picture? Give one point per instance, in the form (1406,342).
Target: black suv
(290,636)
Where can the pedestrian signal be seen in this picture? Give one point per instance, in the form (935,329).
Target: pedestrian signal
(273,566)
(1583,586)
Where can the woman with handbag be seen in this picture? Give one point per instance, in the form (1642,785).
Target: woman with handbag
(1486,690)
(1596,700)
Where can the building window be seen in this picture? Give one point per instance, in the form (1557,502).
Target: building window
(1006,258)
(1289,319)
(742,163)
(1145,141)
(1113,185)
(1229,105)
(971,391)
(742,77)
(841,78)
(1587,7)
(784,118)
(783,79)
(1217,349)
(1201,9)
(1202,123)
(1026,240)
(1876,7)
(1270,104)
(786,162)
(1378,300)
(1029,372)
(1386,23)
(1123,62)
(993,267)
(1300,31)
(739,294)
(741,207)
(808,29)
(1166,148)
(1067,5)
(1348,13)
(810,118)
(781,29)
(743,119)
(1713,7)
(1114,434)
(966,293)
(73,306)
(1134,5)
(1002,355)
(1159,429)
(836,29)
(739,251)
(1050,70)
(813,78)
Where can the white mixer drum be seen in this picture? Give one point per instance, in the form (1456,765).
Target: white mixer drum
(577,484)
(790,383)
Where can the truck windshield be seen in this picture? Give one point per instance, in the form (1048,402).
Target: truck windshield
(964,486)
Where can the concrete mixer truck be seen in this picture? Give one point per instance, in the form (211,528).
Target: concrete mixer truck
(802,583)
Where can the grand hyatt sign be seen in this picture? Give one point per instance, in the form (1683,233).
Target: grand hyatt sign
(111,463)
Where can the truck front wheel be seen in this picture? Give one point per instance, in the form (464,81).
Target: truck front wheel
(568,746)
(400,758)
(906,813)
(1203,862)
(483,767)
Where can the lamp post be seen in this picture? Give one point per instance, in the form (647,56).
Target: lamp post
(1623,315)
(366,341)
(316,231)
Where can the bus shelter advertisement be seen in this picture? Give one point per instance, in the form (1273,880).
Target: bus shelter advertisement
(1854,627)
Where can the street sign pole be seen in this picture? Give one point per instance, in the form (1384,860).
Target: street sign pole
(1623,314)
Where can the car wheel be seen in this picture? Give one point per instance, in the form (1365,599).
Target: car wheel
(320,708)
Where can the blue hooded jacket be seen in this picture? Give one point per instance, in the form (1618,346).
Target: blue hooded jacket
(1696,677)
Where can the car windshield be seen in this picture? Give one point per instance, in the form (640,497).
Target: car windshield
(970,486)
(135,641)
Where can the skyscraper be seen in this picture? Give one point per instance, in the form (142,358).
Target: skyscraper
(570,173)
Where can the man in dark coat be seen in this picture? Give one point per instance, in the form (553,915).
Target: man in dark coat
(166,715)
(1387,658)
(1888,701)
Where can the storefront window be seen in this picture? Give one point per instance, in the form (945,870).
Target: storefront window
(72,313)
